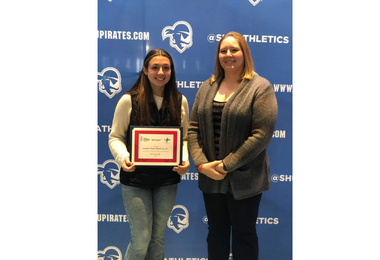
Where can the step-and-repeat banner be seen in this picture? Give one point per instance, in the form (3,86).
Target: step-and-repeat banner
(190,31)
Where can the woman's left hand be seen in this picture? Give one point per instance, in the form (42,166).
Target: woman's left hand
(219,168)
(182,169)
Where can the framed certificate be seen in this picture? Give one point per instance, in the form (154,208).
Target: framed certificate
(156,145)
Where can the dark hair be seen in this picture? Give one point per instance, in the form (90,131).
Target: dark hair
(145,93)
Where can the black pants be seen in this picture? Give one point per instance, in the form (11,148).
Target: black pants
(224,212)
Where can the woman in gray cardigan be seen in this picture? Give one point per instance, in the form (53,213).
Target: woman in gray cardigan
(231,125)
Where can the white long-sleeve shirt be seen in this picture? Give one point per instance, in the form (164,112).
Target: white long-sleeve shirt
(120,124)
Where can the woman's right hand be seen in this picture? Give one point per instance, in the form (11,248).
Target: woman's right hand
(209,169)
(127,165)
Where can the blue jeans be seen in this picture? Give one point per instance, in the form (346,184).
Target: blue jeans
(148,210)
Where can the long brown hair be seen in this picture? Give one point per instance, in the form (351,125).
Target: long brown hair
(248,68)
(144,91)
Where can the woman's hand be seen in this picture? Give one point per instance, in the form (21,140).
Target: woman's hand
(219,168)
(182,169)
(127,165)
(210,170)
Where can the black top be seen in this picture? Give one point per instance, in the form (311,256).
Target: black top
(217,109)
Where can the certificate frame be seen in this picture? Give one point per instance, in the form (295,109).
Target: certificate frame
(156,145)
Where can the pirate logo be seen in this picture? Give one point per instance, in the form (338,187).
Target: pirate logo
(109,173)
(110,253)
(180,35)
(109,82)
(254,2)
(179,219)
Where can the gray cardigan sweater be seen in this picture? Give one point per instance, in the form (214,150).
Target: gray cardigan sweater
(247,126)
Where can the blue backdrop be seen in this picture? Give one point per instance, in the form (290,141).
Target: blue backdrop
(190,31)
